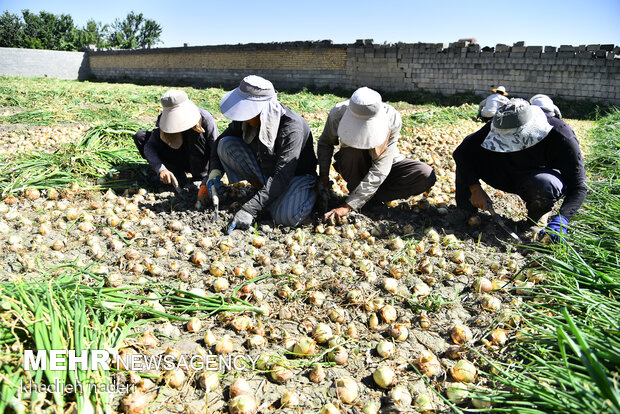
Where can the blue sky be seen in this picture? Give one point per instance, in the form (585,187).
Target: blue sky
(538,23)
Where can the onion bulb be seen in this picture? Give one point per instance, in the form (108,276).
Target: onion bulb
(386,349)
(194,324)
(243,404)
(346,389)
(388,313)
(136,402)
(322,333)
(175,378)
(461,334)
(304,347)
(280,374)
(384,376)
(210,381)
(289,399)
(240,387)
(401,396)
(424,404)
(329,408)
(428,364)
(317,373)
(457,392)
(464,371)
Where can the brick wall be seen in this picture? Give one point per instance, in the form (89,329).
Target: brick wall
(288,65)
(43,63)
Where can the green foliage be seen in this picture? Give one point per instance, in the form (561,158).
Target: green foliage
(58,32)
(133,32)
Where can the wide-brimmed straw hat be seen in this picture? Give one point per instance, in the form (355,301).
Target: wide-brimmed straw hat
(516,125)
(179,113)
(365,123)
(546,104)
(500,90)
(247,100)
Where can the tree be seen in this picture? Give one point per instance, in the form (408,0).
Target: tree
(11,30)
(135,31)
(48,31)
(94,33)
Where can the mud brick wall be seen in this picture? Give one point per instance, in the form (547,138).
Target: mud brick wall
(43,63)
(288,65)
(587,72)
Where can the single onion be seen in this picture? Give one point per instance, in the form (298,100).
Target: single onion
(240,387)
(464,371)
(317,373)
(322,333)
(388,313)
(329,408)
(243,404)
(384,376)
(386,349)
(346,389)
(401,396)
(224,345)
(194,324)
(457,392)
(371,407)
(280,374)
(424,404)
(136,402)
(210,381)
(461,334)
(304,347)
(175,378)
(210,338)
(289,399)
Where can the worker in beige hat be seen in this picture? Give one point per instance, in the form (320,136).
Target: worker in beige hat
(181,142)
(367,131)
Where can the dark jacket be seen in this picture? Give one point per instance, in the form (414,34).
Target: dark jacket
(293,155)
(559,150)
(193,155)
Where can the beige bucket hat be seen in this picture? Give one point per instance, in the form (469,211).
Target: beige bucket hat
(179,113)
(516,125)
(365,123)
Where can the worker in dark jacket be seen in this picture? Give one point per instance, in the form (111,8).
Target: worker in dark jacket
(270,146)
(181,141)
(521,151)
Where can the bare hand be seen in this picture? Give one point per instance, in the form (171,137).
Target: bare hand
(335,215)
(167,177)
(479,197)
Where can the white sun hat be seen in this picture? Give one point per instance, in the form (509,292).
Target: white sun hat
(546,104)
(249,99)
(365,123)
(500,90)
(517,125)
(179,113)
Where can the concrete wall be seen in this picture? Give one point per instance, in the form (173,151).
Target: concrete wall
(44,63)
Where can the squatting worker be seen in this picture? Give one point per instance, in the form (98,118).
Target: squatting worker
(181,142)
(488,107)
(547,105)
(526,153)
(270,146)
(368,160)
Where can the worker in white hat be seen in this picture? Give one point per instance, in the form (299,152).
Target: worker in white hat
(367,131)
(181,142)
(270,146)
(490,104)
(523,152)
(546,104)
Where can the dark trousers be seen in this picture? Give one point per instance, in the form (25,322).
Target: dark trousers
(539,188)
(173,160)
(406,178)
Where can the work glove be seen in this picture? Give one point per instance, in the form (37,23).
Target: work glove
(556,228)
(203,196)
(241,221)
(215,176)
